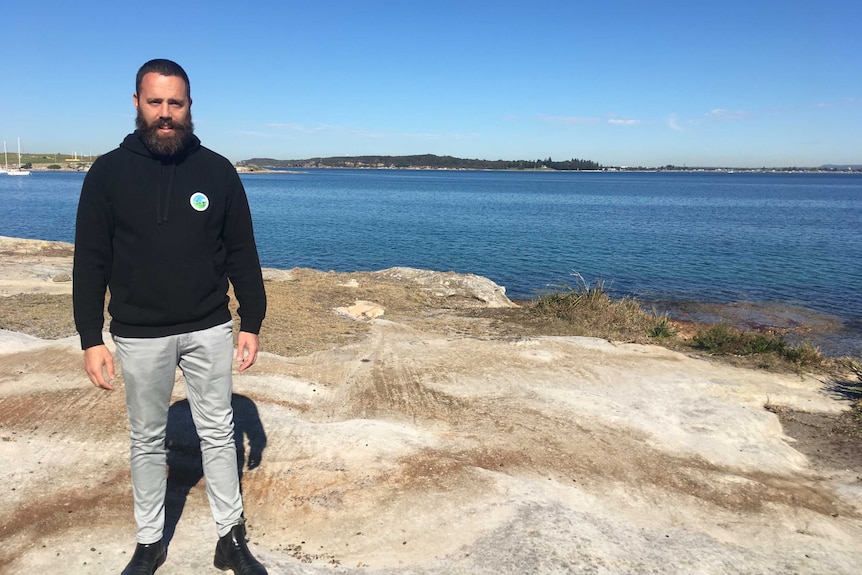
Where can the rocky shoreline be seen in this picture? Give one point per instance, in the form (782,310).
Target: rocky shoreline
(398,423)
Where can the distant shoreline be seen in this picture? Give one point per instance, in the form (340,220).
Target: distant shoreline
(249,170)
(273,170)
(61,163)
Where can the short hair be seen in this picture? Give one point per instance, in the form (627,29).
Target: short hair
(164,68)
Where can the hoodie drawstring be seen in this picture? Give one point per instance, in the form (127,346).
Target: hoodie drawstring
(162,206)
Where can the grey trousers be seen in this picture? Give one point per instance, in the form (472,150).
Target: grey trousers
(149,369)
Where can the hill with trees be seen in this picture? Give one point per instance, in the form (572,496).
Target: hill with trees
(425,161)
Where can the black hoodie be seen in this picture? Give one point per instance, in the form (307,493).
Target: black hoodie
(164,235)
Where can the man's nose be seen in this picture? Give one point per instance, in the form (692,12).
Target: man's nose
(164,111)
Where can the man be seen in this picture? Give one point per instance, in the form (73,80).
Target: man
(164,223)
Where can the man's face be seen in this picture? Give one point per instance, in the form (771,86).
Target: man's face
(164,113)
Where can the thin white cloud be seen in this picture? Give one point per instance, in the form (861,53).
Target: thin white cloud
(300,127)
(569,120)
(673,123)
(722,114)
(624,122)
(615,120)
(282,126)
(846,101)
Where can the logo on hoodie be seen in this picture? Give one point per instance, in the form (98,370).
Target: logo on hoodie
(199,201)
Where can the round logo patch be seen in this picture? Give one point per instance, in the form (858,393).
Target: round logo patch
(199,201)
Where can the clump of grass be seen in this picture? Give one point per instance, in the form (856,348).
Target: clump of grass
(804,354)
(722,339)
(587,309)
(564,302)
(662,328)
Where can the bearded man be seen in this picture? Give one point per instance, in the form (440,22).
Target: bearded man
(164,224)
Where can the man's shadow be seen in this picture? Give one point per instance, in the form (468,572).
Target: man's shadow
(185,468)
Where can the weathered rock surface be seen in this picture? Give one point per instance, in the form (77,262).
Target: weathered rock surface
(451,284)
(410,451)
(35,266)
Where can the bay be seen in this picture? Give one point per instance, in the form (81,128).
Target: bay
(775,241)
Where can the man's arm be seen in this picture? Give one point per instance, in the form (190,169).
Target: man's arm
(243,270)
(92,260)
(91,268)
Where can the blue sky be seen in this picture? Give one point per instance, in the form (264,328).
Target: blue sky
(732,83)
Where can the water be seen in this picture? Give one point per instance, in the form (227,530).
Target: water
(787,243)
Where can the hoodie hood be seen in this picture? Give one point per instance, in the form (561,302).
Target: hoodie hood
(164,167)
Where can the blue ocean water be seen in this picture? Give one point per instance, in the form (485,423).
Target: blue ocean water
(775,240)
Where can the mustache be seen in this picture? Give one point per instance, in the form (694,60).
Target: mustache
(184,125)
(168,123)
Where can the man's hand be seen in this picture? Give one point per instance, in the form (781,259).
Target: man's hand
(247,346)
(96,358)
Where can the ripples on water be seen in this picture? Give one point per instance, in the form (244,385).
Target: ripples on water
(791,239)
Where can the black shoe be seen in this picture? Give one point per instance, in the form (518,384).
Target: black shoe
(232,553)
(147,559)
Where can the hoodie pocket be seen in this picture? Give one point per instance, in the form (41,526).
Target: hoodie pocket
(170,294)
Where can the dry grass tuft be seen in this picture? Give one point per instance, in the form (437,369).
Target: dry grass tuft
(590,311)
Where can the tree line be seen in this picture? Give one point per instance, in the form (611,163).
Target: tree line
(428,161)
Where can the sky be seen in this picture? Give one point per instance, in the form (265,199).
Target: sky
(754,83)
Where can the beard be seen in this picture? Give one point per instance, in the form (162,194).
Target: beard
(165,145)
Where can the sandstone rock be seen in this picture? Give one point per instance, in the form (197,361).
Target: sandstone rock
(271,274)
(362,310)
(451,284)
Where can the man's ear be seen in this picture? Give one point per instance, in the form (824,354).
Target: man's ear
(135,100)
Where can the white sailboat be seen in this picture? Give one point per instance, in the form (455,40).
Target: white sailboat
(18,171)
(5,168)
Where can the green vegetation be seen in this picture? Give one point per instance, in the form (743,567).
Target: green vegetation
(426,161)
(722,339)
(587,309)
(663,328)
(48,160)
